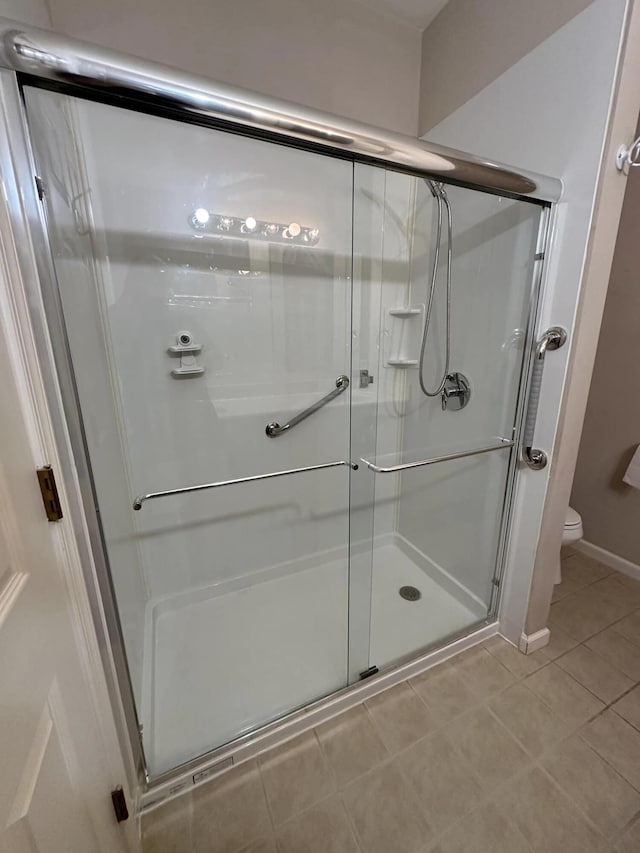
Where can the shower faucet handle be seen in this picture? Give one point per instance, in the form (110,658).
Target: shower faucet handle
(456,392)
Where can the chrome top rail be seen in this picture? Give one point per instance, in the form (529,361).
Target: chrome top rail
(274,429)
(70,62)
(462,454)
(137,504)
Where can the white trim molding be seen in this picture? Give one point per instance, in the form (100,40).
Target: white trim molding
(614,561)
(530,643)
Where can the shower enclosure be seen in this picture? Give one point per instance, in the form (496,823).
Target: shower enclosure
(280,509)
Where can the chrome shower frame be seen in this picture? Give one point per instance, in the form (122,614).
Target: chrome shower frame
(40,58)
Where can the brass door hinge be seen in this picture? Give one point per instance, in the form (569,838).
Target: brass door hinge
(49,492)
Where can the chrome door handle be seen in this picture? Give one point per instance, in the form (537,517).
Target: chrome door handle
(434,460)
(183,490)
(274,429)
(553,339)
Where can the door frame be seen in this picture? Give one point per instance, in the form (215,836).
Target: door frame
(605,219)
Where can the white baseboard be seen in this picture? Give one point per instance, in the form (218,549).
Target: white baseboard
(620,564)
(530,643)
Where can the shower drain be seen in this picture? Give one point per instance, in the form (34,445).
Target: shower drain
(410,593)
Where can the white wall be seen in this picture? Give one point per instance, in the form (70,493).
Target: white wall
(34,12)
(336,55)
(491,37)
(548,113)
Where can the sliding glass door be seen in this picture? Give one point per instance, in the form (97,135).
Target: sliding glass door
(205,281)
(283,509)
(429,506)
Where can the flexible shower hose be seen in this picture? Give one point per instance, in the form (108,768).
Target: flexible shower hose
(440,195)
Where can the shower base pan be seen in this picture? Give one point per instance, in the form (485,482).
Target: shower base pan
(223,660)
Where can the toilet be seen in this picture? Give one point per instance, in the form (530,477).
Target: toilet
(573,531)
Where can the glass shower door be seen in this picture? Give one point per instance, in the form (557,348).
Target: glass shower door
(205,284)
(430,505)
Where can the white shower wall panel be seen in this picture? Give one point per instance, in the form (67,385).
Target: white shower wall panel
(452,512)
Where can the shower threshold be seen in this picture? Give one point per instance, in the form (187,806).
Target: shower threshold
(224,660)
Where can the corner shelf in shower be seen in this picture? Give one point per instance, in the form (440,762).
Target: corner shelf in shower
(405,312)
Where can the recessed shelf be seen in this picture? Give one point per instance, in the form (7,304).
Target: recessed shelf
(405,312)
(402,362)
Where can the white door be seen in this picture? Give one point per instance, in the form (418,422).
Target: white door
(58,755)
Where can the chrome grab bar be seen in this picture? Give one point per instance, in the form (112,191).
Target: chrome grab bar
(274,429)
(553,339)
(462,454)
(137,504)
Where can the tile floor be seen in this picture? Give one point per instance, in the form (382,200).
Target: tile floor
(491,752)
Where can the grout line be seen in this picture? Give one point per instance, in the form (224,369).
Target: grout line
(350,823)
(604,757)
(628,825)
(266,797)
(572,801)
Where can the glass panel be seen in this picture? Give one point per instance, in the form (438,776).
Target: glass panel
(434,529)
(205,281)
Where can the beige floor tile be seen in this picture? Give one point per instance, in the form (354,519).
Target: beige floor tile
(578,572)
(629,707)
(324,828)
(444,692)
(587,612)
(618,650)
(547,818)
(385,813)
(617,587)
(444,783)
(485,830)
(512,658)
(566,698)
(567,587)
(168,829)
(482,673)
(585,570)
(401,717)
(631,582)
(595,673)
(487,746)
(629,627)
(594,786)
(295,776)
(529,719)
(559,643)
(617,742)
(351,744)
(232,809)
(262,845)
(629,842)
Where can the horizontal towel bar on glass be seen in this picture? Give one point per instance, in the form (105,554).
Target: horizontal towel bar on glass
(137,504)
(462,454)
